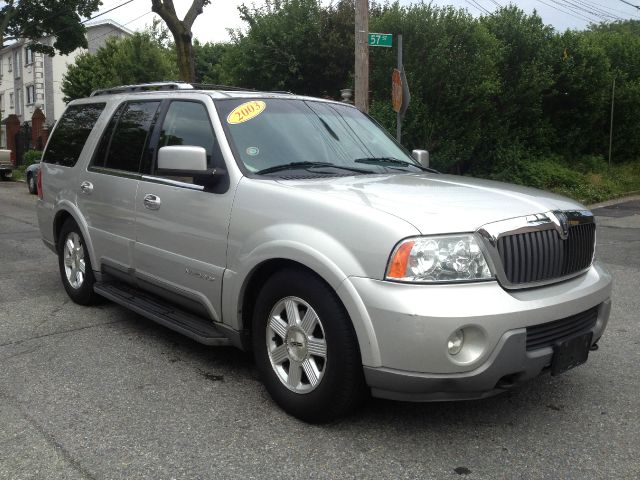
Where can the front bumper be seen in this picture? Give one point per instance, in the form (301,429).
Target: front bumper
(412,324)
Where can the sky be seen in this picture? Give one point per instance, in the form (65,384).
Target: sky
(220,15)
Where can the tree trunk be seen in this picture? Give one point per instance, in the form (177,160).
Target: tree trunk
(186,67)
(181,31)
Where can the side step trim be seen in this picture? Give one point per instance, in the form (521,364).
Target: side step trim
(165,314)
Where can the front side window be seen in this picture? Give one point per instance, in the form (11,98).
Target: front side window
(124,142)
(271,133)
(71,133)
(187,123)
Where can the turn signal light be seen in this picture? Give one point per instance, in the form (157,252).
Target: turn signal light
(399,262)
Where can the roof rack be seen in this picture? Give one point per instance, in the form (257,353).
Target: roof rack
(163,86)
(143,87)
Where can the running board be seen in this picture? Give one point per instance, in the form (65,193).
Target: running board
(165,314)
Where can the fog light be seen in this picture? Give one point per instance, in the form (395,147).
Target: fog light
(456,340)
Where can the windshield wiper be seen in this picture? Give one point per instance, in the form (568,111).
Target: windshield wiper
(307,165)
(392,161)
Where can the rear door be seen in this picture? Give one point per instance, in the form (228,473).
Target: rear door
(108,186)
(181,236)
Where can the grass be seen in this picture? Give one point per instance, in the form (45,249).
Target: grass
(588,180)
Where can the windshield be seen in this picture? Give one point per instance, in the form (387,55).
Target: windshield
(275,135)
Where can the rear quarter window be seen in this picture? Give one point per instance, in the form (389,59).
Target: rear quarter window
(71,133)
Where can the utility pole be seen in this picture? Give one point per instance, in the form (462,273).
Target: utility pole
(613,96)
(362,55)
(398,114)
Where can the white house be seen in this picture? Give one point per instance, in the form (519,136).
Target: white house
(29,80)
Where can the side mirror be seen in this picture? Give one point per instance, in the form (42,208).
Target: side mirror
(188,161)
(422,156)
(184,161)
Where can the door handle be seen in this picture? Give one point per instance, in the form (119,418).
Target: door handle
(86,187)
(152,202)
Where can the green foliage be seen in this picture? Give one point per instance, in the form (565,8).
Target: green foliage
(294,45)
(31,156)
(207,59)
(451,62)
(35,19)
(135,59)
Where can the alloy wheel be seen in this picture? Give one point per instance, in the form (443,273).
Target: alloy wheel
(296,344)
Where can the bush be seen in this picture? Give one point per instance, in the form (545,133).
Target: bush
(28,158)
(31,156)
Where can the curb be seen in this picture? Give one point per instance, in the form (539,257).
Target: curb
(608,203)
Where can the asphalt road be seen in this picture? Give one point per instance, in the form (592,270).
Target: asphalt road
(104,393)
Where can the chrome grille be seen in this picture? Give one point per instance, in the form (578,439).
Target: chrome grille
(541,255)
(547,334)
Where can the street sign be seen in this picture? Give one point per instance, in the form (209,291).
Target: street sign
(380,40)
(396,90)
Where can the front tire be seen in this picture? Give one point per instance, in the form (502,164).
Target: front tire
(75,265)
(305,347)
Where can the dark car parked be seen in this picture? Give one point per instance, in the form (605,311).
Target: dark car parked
(31,174)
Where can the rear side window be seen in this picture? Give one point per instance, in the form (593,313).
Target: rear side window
(71,133)
(125,138)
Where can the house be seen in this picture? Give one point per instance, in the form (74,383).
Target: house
(30,80)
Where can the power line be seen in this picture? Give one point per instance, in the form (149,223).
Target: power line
(579,17)
(630,4)
(477,6)
(123,24)
(592,17)
(107,11)
(586,8)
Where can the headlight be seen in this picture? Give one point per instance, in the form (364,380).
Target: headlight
(438,259)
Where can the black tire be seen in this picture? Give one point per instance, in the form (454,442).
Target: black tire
(82,294)
(341,387)
(31,184)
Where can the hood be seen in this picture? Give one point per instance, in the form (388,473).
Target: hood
(436,203)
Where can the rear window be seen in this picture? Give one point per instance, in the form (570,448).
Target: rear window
(71,133)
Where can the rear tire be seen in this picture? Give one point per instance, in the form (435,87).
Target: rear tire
(75,265)
(310,365)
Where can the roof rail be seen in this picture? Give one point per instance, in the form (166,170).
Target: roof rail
(143,87)
(212,86)
(163,86)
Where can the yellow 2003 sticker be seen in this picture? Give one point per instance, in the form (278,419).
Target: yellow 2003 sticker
(246,111)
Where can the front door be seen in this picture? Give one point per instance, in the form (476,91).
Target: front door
(181,228)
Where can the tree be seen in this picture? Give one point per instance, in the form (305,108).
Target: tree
(207,62)
(34,19)
(181,31)
(129,60)
(451,65)
(295,45)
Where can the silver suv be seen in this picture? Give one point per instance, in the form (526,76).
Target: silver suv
(298,228)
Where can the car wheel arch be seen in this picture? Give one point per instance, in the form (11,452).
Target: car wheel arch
(65,212)
(360,320)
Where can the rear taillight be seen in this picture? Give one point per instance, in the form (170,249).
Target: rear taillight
(39,182)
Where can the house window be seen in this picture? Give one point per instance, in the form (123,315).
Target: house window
(19,100)
(1,103)
(28,56)
(31,94)
(17,63)
(10,64)
(1,65)
(11,100)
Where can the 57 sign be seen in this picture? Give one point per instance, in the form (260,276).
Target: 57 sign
(380,40)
